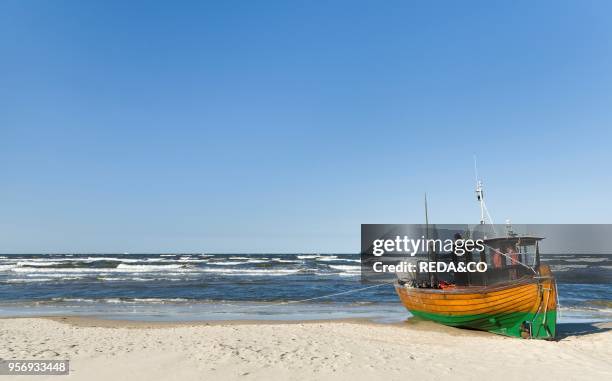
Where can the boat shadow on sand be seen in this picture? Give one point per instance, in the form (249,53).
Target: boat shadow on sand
(565,330)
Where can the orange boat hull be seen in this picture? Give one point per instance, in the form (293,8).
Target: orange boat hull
(523,308)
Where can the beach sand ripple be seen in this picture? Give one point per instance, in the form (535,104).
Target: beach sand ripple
(352,350)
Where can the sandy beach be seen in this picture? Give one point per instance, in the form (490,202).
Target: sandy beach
(351,350)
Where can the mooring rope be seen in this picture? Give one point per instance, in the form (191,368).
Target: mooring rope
(362,288)
(315,298)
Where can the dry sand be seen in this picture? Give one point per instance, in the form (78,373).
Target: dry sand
(351,350)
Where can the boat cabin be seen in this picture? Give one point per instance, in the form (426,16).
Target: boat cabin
(508,258)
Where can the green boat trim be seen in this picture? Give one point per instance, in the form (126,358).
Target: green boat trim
(515,324)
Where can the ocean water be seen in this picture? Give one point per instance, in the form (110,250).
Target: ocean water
(185,287)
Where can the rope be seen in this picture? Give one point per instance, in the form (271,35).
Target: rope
(316,298)
(535,317)
(361,289)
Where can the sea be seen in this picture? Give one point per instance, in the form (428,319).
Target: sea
(198,287)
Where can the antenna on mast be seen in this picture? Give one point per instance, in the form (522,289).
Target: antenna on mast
(480,198)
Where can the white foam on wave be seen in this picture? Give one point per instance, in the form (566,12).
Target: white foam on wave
(121,301)
(59,270)
(146,268)
(157,300)
(110,259)
(240,262)
(327,258)
(53,274)
(36,269)
(93,259)
(86,300)
(180,272)
(35,263)
(335,259)
(192,260)
(263,272)
(43,278)
(587,310)
(122,279)
(96,259)
(339,274)
(7,267)
(80,259)
(29,280)
(122,267)
(140,279)
(279,260)
(228,263)
(348,268)
(308,256)
(590,260)
(559,268)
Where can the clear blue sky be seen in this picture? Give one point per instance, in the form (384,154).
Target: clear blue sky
(243,126)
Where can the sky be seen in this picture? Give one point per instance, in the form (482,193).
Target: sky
(276,126)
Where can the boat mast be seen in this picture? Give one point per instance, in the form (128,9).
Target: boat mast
(431,255)
(427,227)
(479,193)
(426,218)
(480,198)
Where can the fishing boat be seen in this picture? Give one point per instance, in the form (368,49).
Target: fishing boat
(511,298)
